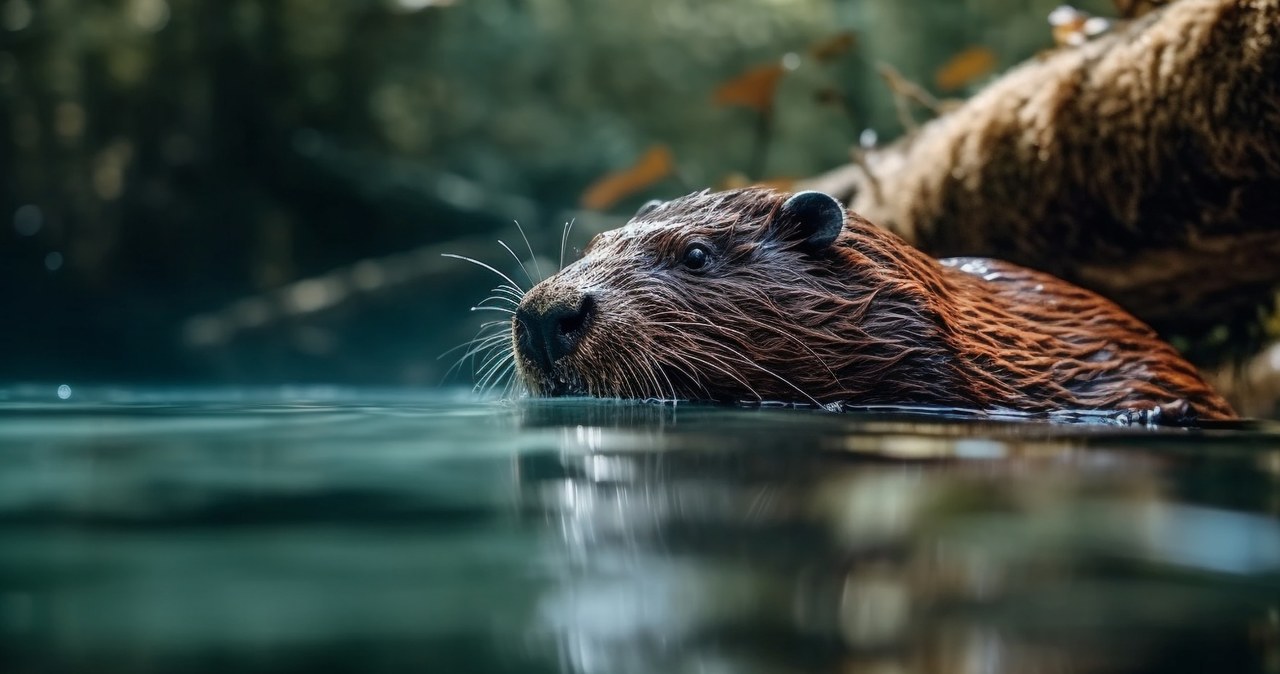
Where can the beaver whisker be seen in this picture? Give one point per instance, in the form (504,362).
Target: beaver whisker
(500,370)
(701,321)
(719,366)
(564,238)
(482,328)
(484,374)
(488,308)
(748,361)
(519,262)
(495,352)
(512,293)
(751,363)
(478,263)
(506,293)
(496,377)
(495,364)
(773,329)
(491,362)
(498,337)
(514,302)
(689,370)
(597,388)
(635,387)
(655,370)
(635,383)
(488,343)
(625,367)
(532,256)
(515,384)
(651,352)
(657,367)
(478,343)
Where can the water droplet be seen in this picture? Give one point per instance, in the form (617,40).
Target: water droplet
(53,261)
(64,392)
(868,138)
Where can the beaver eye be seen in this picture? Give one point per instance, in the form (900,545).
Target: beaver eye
(696,256)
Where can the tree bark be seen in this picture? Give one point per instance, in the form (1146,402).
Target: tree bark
(1144,165)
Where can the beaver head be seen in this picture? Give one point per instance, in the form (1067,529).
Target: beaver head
(742,295)
(757,295)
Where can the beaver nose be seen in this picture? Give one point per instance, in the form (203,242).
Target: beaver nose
(550,333)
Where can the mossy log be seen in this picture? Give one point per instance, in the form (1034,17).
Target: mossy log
(1144,165)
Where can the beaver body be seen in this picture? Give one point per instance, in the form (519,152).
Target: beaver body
(759,295)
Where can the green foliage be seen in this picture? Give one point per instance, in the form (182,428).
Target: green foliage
(182,154)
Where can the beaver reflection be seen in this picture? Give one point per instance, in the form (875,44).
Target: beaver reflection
(756,295)
(908,555)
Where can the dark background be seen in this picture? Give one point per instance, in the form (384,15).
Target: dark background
(260,190)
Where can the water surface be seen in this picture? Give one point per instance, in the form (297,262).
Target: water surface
(327,529)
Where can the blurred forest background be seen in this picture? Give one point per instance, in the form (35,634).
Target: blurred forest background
(260,190)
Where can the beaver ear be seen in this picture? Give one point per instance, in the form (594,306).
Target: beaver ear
(813,218)
(648,207)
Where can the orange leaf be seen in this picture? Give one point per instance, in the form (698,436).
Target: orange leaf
(965,67)
(754,88)
(829,48)
(655,164)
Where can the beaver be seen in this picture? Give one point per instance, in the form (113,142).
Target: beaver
(760,295)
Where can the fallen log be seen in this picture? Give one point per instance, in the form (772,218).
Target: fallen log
(1144,164)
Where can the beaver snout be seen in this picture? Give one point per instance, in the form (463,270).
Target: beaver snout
(547,331)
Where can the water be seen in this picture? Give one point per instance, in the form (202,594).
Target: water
(328,530)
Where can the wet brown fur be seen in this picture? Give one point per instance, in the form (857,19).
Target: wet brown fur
(869,320)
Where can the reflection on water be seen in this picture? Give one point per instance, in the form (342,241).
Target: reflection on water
(155,532)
